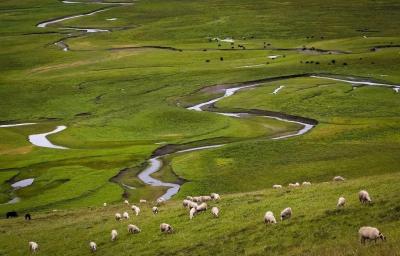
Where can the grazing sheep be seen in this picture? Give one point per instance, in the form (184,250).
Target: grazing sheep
(205,198)
(192,205)
(154,210)
(114,235)
(215,196)
(338,178)
(306,183)
(341,202)
(104,204)
(197,199)
(370,233)
(93,246)
(292,185)
(277,186)
(192,212)
(269,218)
(189,198)
(136,209)
(166,228)
(215,211)
(364,197)
(126,202)
(142,201)
(12,214)
(286,213)
(125,215)
(185,202)
(118,216)
(33,247)
(201,207)
(133,229)
(161,201)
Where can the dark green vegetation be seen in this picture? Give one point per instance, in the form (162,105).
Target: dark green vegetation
(120,94)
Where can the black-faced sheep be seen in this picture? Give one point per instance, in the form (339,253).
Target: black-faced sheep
(286,213)
(166,228)
(269,218)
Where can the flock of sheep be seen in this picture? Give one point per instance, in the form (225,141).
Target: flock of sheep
(365,233)
(198,204)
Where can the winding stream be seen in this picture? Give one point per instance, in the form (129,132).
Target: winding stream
(41,140)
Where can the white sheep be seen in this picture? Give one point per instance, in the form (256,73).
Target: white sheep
(286,213)
(341,202)
(201,207)
(126,202)
(185,202)
(125,215)
(133,229)
(104,204)
(364,197)
(189,198)
(215,196)
(192,212)
(118,216)
(192,205)
(292,185)
(306,183)
(142,201)
(136,209)
(205,198)
(154,210)
(114,235)
(33,247)
(338,178)
(166,228)
(370,233)
(196,199)
(277,186)
(269,218)
(215,212)
(93,246)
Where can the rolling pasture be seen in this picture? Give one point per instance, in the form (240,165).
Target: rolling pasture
(122,76)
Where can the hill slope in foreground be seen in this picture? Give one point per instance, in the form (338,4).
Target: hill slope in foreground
(230,96)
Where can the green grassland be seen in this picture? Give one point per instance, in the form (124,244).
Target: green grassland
(122,94)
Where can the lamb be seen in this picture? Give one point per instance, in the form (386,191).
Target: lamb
(93,246)
(215,196)
(133,229)
(166,228)
(136,209)
(142,201)
(201,207)
(364,197)
(154,210)
(192,212)
(33,247)
(125,215)
(269,218)
(341,202)
(277,186)
(306,183)
(215,211)
(118,216)
(126,202)
(292,185)
(338,178)
(114,235)
(286,213)
(370,233)
(197,199)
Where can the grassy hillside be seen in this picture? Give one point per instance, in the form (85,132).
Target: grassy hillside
(122,95)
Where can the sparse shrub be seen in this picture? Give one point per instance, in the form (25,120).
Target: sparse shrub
(207,60)
(333,61)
